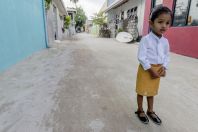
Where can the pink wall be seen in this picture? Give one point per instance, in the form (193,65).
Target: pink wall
(146,17)
(183,40)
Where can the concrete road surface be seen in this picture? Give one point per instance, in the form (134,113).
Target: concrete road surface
(87,84)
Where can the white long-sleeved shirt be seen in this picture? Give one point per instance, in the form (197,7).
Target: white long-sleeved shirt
(153,50)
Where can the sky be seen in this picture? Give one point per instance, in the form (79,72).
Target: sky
(89,6)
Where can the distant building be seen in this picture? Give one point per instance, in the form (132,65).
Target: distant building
(71,11)
(88,26)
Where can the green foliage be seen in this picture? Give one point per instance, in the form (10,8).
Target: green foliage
(67,22)
(99,19)
(47,4)
(80,17)
(120,30)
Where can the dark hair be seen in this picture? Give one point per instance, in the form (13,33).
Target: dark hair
(158,10)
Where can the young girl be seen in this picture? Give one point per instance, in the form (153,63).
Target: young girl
(153,57)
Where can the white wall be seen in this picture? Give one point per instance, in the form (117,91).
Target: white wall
(50,25)
(60,26)
(128,5)
(52,28)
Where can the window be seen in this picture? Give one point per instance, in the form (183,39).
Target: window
(156,3)
(193,13)
(186,13)
(128,14)
(122,15)
(181,13)
(71,15)
(116,21)
(131,13)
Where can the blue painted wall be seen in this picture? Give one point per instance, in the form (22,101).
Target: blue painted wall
(22,30)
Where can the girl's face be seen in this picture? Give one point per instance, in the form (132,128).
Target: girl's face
(161,24)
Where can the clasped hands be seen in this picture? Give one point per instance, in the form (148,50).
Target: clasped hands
(157,74)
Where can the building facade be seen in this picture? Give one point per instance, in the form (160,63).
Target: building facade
(22,30)
(126,15)
(55,20)
(182,35)
(133,16)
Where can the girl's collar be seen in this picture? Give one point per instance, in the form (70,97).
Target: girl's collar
(155,36)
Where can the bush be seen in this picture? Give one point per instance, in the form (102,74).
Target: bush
(47,4)
(120,30)
(67,22)
(104,31)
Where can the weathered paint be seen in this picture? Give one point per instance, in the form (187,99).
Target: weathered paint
(22,31)
(183,40)
(146,17)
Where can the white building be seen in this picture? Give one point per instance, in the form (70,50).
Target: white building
(71,11)
(127,15)
(55,20)
(88,25)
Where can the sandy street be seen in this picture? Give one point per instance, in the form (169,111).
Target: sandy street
(87,84)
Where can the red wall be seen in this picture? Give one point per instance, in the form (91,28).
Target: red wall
(183,40)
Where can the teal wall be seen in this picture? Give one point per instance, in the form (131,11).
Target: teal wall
(22,30)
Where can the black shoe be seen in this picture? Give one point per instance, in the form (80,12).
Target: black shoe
(154,118)
(144,119)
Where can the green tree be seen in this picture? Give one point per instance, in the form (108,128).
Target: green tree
(80,17)
(47,4)
(99,19)
(67,22)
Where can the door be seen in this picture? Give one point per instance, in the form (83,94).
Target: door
(55,22)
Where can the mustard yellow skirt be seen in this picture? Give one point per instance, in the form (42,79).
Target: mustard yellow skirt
(145,85)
